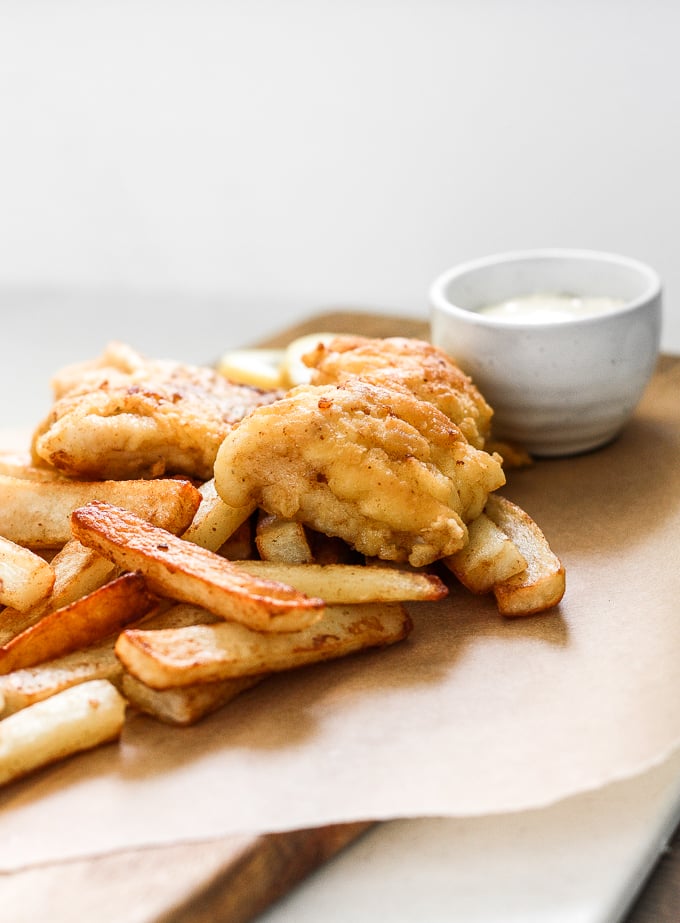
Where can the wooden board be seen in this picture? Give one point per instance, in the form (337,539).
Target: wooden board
(235,878)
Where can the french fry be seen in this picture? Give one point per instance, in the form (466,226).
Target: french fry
(77,571)
(258,367)
(214,521)
(25,578)
(28,685)
(186,572)
(542,584)
(205,653)
(20,465)
(490,557)
(77,719)
(36,513)
(293,368)
(344,584)
(25,687)
(282,540)
(80,624)
(184,705)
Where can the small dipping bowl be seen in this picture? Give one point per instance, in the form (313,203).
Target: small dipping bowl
(557,387)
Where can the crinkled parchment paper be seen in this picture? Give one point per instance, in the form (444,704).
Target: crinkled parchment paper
(472,715)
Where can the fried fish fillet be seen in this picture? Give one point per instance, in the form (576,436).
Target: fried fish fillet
(408,364)
(389,473)
(125,416)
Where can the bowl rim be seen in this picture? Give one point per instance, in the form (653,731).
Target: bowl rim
(438,299)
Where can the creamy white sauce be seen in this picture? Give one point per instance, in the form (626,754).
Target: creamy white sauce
(548,307)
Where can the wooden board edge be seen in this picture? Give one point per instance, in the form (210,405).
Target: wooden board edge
(263,873)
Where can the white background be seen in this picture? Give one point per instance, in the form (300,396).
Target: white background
(262,159)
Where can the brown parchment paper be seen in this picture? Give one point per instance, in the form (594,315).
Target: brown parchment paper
(472,715)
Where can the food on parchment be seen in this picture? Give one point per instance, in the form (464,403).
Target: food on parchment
(318,520)
(125,416)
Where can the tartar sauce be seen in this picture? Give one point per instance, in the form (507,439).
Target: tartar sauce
(545,307)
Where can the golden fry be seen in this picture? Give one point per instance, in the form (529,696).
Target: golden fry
(542,584)
(25,578)
(37,513)
(77,571)
(489,557)
(344,584)
(186,572)
(80,624)
(215,522)
(184,705)
(205,653)
(282,540)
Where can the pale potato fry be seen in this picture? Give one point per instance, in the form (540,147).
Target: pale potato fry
(184,705)
(215,522)
(206,653)
(25,687)
(489,557)
(344,584)
(33,684)
(293,369)
(282,540)
(77,571)
(36,513)
(260,368)
(186,572)
(25,578)
(542,584)
(20,465)
(74,720)
(80,624)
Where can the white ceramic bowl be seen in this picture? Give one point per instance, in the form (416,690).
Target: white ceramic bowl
(556,388)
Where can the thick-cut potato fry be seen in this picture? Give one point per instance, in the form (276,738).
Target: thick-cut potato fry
(282,540)
(184,705)
(260,368)
(25,687)
(77,719)
(33,684)
(489,557)
(215,522)
(36,513)
(80,624)
(20,465)
(186,572)
(25,578)
(344,584)
(205,653)
(77,571)
(542,584)
(294,369)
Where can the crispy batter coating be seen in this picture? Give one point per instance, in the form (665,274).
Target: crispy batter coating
(411,365)
(124,416)
(387,472)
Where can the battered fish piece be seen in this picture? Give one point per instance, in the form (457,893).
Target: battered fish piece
(409,364)
(124,416)
(376,466)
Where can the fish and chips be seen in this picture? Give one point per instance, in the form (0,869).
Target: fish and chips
(178,534)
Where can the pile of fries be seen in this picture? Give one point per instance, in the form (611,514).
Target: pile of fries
(155,595)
